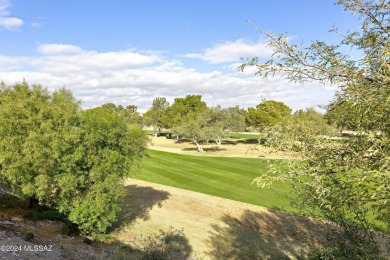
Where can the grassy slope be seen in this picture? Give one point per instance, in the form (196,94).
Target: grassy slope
(229,178)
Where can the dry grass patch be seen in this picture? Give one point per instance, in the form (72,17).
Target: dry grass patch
(217,228)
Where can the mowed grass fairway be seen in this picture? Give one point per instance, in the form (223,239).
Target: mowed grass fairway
(224,177)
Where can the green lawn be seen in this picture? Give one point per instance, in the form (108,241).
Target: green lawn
(229,178)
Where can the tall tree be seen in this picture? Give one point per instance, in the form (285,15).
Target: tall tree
(181,108)
(345,182)
(314,120)
(198,128)
(223,120)
(154,115)
(267,114)
(129,113)
(342,114)
(66,158)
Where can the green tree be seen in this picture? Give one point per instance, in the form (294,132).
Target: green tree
(346,182)
(181,108)
(155,113)
(224,120)
(108,150)
(314,120)
(267,114)
(66,158)
(129,113)
(34,128)
(198,128)
(342,114)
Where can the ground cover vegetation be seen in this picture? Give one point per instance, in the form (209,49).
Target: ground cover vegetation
(346,182)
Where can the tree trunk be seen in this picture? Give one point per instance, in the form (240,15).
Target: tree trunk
(32,203)
(200,148)
(218,141)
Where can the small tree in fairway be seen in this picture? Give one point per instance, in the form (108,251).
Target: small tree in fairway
(197,127)
(155,113)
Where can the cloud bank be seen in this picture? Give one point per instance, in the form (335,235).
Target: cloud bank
(137,77)
(232,51)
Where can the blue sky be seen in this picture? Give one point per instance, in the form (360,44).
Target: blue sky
(129,52)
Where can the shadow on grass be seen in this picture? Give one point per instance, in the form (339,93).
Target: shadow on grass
(265,235)
(183,140)
(249,141)
(211,149)
(241,141)
(137,204)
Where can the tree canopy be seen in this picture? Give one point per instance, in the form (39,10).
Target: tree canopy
(155,113)
(129,113)
(181,108)
(267,114)
(71,159)
(198,128)
(346,181)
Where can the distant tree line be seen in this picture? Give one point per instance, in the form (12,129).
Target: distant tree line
(191,118)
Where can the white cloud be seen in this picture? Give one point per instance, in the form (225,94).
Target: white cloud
(58,49)
(232,51)
(9,23)
(4,5)
(64,59)
(131,77)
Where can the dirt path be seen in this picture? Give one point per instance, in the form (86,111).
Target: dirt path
(216,228)
(229,148)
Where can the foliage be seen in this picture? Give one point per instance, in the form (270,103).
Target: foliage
(314,120)
(66,158)
(181,108)
(342,114)
(154,115)
(129,113)
(303,128)
(346,182)
(267,114)
(107,151)
(209,124)
(34,126)
(224,120)
(198,128)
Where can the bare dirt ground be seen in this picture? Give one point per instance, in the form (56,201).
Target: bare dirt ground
(31,240)
(216,228)
(229,148)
